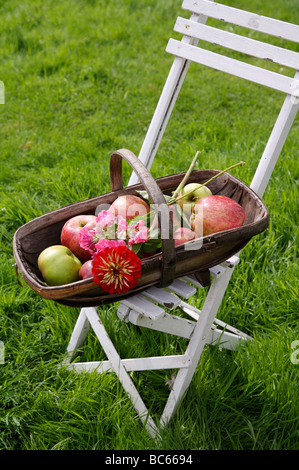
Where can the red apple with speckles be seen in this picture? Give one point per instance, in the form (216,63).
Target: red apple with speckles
(183,235)
(129,206)
(216,213)
(70,235)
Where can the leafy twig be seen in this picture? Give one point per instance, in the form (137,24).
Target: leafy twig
(204,184)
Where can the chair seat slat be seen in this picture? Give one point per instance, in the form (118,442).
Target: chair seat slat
(181,288)
(234,67)
(238,43)
(144,307)
(263,24)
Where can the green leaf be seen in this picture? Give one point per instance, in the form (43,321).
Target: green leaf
(136,247)
(151,245)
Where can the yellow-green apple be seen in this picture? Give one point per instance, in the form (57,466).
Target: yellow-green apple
(58,265)
(216,213)
(183,235)
(70,235)
(129,206)
(198,192)
(86,270)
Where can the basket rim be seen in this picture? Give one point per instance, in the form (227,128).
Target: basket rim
(81,286)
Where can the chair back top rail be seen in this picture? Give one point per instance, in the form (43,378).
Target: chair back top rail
(263,24)
(238,43)
(235,67)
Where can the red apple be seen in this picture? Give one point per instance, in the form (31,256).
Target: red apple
(70,235)
(183,235)
(216,213)
(129,206)
(86,270)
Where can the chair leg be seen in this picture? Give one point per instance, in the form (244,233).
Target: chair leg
(78,336)
(165,105)
(199,338)
(196,344)
(119,369)
(275,143)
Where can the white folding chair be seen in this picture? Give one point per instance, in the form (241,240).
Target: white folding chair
(152,309)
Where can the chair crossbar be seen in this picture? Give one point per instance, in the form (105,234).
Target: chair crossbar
(253,21)
(235,67)
(238,43)
(135,364)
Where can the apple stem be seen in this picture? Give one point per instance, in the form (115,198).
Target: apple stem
(204,184)
(175,199)
(185,179)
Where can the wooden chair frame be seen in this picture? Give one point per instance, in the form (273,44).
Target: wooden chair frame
(149,308)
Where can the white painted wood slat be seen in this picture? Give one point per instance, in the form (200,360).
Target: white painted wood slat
(163,297)
(238,43)
(182,288)
(170,324)
(263,24)
(143,306)
(234,67)
(138,364)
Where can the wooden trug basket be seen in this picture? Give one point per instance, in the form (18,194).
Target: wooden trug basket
(159,269)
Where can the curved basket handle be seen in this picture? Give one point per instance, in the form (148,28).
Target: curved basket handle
(160,206)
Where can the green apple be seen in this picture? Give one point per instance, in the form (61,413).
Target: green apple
(58,265)
(193,192)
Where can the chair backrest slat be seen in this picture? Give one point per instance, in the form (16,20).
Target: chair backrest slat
(238,43)
(234,67)
(195,31)
(242,18)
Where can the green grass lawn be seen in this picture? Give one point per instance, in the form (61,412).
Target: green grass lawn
(82,79)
